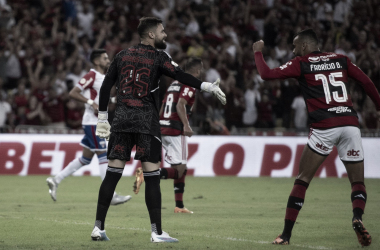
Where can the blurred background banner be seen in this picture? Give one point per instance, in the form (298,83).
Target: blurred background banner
(208,156)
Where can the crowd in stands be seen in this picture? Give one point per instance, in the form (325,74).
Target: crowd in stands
(45,47)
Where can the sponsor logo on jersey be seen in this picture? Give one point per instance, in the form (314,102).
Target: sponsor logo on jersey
(353,152)
(339,109)
(320,146)
(314,59)
(165,122)
(174,88)
(325,58)
(285,65)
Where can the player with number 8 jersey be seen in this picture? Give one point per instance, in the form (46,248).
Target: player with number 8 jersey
(169,119)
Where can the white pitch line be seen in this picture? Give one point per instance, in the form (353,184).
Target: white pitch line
(146,230)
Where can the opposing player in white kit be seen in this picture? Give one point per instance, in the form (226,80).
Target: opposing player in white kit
(86,91)
(176,107)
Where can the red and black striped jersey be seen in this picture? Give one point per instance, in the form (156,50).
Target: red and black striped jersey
(169,120)
(323,79)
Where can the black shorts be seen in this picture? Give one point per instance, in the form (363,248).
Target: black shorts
(148,147)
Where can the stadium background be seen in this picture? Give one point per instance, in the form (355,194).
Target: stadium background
(44,50)
(45,47)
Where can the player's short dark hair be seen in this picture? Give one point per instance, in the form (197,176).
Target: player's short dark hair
(308,34)
(146,24)
(192,63)
(96,53)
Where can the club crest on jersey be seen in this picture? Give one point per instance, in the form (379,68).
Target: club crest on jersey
(191,93)
(314,59)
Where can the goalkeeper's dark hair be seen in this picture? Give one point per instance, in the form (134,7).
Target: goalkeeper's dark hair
(308,35)
(192,63)
(96,53)
(147,24)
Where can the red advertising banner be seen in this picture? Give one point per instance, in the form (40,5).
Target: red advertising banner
(243,156)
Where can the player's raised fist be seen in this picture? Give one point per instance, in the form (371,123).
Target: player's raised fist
(258,46)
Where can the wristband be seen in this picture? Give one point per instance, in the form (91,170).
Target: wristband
(102,115)
(90,102)
(205,86)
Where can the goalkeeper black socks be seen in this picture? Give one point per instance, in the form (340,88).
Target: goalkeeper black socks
(358,199)
(153,199)
(106,191)
(295,203)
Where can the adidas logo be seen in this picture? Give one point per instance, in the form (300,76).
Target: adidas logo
(360,196)
(299,204)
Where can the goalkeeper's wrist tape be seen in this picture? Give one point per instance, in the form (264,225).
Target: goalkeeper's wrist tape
(102,115)
(205,86)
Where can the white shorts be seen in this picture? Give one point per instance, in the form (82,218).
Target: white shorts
(347,140)
(175,149)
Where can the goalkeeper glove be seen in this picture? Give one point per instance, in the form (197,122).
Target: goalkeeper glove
(215,90)
(103,127)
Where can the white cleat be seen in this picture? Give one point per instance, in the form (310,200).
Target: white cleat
(119,199)
(164,237)
(53,185)
(99,235)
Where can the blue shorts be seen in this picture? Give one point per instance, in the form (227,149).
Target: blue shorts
(91,141)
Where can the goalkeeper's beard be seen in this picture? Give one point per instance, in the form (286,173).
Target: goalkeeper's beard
(160,44)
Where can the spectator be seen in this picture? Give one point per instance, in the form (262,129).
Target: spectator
(74,114)
(341,11)
(251,97)
(85,19)
(5,112)
(235,96)
(55,110)
(46,44)
(299,113)
(265,110)
(34,114)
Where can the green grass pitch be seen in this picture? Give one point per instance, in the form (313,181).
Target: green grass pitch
(229,213)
